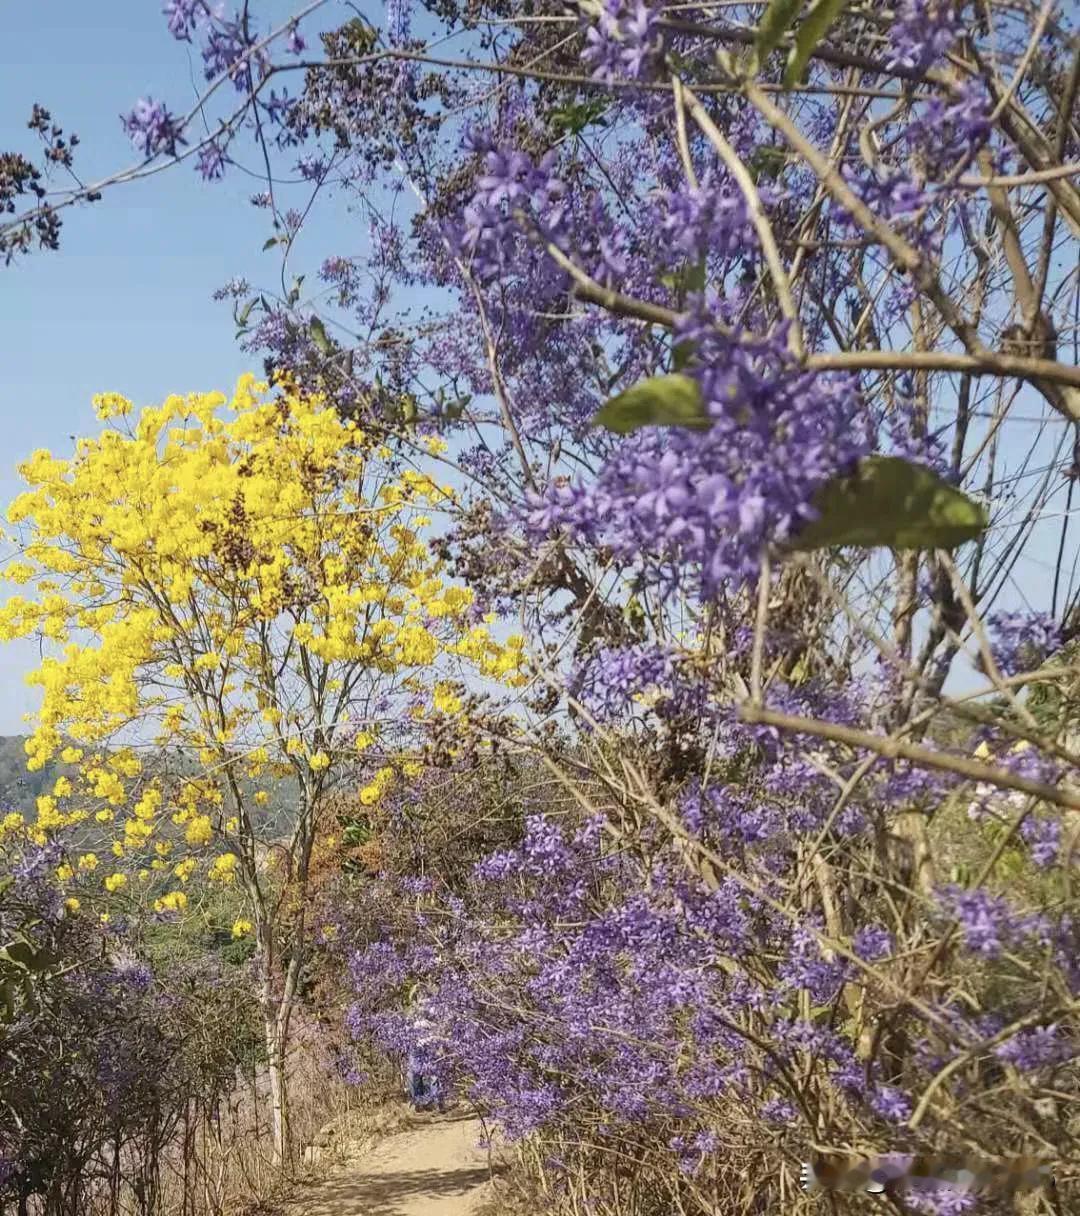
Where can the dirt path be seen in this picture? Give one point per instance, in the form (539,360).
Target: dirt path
(433,1169)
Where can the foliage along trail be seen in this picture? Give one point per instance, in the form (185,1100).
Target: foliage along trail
(650,555)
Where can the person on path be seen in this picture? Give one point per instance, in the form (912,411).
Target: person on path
(423,1089)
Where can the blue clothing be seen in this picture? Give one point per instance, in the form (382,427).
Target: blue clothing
(422,1088)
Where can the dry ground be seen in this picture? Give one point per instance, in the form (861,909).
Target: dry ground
(430,1168)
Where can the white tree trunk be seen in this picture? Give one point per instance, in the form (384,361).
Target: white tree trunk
(275,1057)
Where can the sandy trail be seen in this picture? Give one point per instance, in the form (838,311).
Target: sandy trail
(434,1169)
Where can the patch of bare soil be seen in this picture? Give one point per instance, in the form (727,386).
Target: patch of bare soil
(430,1168)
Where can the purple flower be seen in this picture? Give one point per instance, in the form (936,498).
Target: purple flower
(989,922)
(152,128)
(625,42)
(778,1110)
(229,51)
(295,43)
(949,131)
(1043,837)
(696,507)
(134,973)
(891,1104)
(1036,1048)
(872,942)
(922,32)
(234,289)
(183,16)
(278,107)
(36,862)
(311,167)
(608,683)
(1020,641)
(398,20)
(211,162)
(710,217)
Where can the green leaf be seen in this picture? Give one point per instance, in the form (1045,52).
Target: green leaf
(689,277)
(457,407)
(318,335)
(681,354)
(673,400)
(960,873)
(808,35)
(576,116)
(775,22)
(767,161)
(241,320)
(20,954)
(356,833)
(891,501)
(8,1001)
(695,276)
(270,242)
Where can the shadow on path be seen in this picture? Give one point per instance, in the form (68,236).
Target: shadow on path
(391,1193)
(429,1170)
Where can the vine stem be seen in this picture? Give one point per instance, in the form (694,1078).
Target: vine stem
(898,749)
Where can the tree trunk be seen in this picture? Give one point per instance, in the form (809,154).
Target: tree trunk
(275,1057)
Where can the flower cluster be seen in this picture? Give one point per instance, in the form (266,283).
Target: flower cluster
(625,42)
(922,32)
(699,506)
(1020,641)
(152,128)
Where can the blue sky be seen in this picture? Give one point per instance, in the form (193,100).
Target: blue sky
(125,305)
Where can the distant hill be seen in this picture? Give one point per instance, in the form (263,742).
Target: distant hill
(19,788)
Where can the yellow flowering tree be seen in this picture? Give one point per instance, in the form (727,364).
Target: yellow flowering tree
(244,582)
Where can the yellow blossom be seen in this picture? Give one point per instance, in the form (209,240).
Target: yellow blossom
(223,868)
(184,869)
(115,882)
(110,405)
(136,833)
(174,901)
(199,830)
(190,567)
(445,698)
(241,927)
